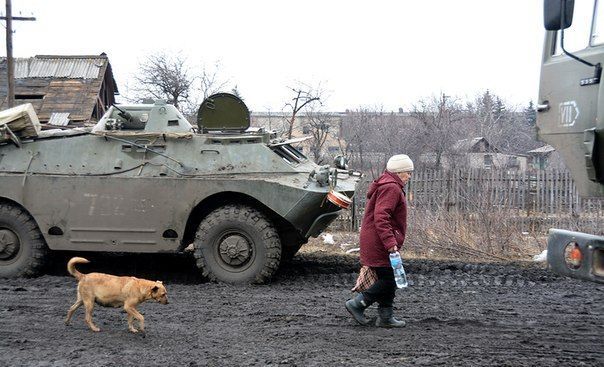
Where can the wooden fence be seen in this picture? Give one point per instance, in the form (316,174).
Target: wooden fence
(534,200)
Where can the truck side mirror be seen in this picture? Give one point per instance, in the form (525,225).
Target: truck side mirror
(558,14)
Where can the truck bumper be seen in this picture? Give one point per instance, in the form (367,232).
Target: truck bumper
(591,265)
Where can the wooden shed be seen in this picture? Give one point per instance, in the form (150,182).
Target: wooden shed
(64,90)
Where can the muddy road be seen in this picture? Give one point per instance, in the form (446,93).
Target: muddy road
(457,315)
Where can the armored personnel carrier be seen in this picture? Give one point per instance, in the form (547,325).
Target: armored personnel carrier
(144,180)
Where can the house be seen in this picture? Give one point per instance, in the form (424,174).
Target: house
(64,90)
(545,157)
(475,153)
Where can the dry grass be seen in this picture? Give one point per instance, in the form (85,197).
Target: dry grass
(487,236)
(440,235)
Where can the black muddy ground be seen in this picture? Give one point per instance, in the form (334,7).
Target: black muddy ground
(464,315)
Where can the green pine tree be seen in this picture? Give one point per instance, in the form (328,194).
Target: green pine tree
(530,114)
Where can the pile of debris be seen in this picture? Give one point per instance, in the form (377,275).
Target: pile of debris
(19,123)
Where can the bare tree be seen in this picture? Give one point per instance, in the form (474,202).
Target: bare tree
(366,136)
(319,128)
(171,78)
(352,136)
(163,76)
(441,125)
(207,82)
(210,81)
(386,134)
(509,131)
(303,96)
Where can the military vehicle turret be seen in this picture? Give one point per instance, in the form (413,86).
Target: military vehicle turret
(144,180)
(571,118)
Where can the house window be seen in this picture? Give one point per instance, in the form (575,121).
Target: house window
(488,160)
(29,96)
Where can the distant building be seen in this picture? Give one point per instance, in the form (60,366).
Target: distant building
(305,125)
(475,153)
(314,124)
(545,157)
(64,90)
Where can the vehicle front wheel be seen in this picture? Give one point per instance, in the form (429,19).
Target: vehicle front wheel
(237,244)
(23,250)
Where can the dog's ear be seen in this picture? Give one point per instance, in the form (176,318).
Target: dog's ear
(154,289)
(159,282)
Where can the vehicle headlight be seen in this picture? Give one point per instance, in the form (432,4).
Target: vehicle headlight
(573,255)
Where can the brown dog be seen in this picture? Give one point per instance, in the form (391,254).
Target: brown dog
(113,291)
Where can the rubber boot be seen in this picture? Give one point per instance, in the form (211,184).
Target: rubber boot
(386,319)
(356,306)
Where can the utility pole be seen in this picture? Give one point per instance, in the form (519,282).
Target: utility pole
(10,65)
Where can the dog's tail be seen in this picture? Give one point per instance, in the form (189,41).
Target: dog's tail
(71,266)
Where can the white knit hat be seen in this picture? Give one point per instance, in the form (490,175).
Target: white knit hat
(399,163)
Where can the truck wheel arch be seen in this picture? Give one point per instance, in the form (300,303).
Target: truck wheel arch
(212,202)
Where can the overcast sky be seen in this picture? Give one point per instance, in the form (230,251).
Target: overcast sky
(376,53)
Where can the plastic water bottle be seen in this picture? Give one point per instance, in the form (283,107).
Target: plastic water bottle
(399,272)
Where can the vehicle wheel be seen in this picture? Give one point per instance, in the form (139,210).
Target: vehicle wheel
(237,244)
(23,250)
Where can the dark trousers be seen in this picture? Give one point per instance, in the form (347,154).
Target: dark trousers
(382,291)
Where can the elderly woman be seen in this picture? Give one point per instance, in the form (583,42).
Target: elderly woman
(382,232)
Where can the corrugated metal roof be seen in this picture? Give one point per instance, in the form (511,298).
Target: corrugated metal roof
(47,67)
(543,149)
(59,119)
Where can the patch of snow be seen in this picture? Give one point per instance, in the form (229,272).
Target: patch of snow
(353,250)
(541,257)
(328,239)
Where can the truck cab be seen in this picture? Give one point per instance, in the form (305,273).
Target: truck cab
(571,119)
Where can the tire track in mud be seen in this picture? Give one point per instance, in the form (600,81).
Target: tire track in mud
(457,314)
(522,306)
